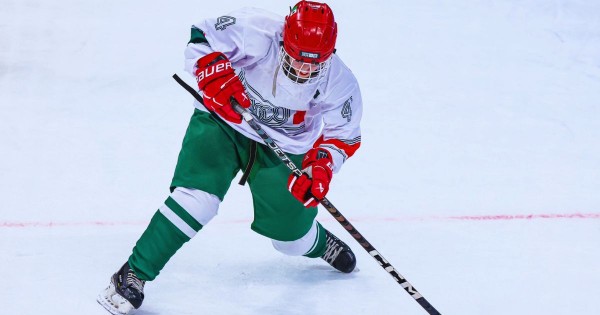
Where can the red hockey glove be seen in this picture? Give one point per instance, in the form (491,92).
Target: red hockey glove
(219,83)
(313,185)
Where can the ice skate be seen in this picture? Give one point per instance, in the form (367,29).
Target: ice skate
(338,254)
(124,293)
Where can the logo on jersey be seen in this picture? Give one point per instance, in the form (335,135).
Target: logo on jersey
(223,22)
(269,114)
(347,109)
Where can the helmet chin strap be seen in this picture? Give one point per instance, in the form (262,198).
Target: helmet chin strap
(274,90)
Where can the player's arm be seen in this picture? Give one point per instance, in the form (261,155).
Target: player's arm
(340,139)
(208,57)
(341,134)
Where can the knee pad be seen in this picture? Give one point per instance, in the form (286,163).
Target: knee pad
(300,246)
(201,205)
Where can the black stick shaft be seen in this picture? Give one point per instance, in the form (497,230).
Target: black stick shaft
(247,116)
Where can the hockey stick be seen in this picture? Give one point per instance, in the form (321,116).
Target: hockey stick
(249,118)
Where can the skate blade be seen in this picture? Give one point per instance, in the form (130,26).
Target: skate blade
(107,299)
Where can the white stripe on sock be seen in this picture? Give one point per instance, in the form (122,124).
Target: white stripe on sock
(177,221)
(315,226)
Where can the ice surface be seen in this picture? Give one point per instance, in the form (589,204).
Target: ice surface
(478,177)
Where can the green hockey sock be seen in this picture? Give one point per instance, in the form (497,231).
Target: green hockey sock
(318,248)
(170,227)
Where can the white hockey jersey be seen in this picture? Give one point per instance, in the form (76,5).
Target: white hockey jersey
(297,116)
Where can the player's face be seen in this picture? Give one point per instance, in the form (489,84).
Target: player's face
(304,70)
(300,71)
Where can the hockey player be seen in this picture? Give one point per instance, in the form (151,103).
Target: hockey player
(286,72)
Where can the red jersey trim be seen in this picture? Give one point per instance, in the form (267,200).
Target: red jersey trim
(348,146)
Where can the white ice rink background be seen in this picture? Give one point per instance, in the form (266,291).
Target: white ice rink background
(478,177)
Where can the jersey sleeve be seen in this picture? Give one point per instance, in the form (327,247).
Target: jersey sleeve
(342,113)
(244,36)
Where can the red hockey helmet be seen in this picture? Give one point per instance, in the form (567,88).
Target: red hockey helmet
(309,32)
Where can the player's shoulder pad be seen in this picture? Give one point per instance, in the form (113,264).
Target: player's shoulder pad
(341,82)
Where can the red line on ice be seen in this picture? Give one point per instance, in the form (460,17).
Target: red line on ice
(528,216)
(501,217)
(66,224)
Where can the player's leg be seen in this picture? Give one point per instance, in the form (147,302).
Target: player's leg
(319,242)
(291,226)
(208,161)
